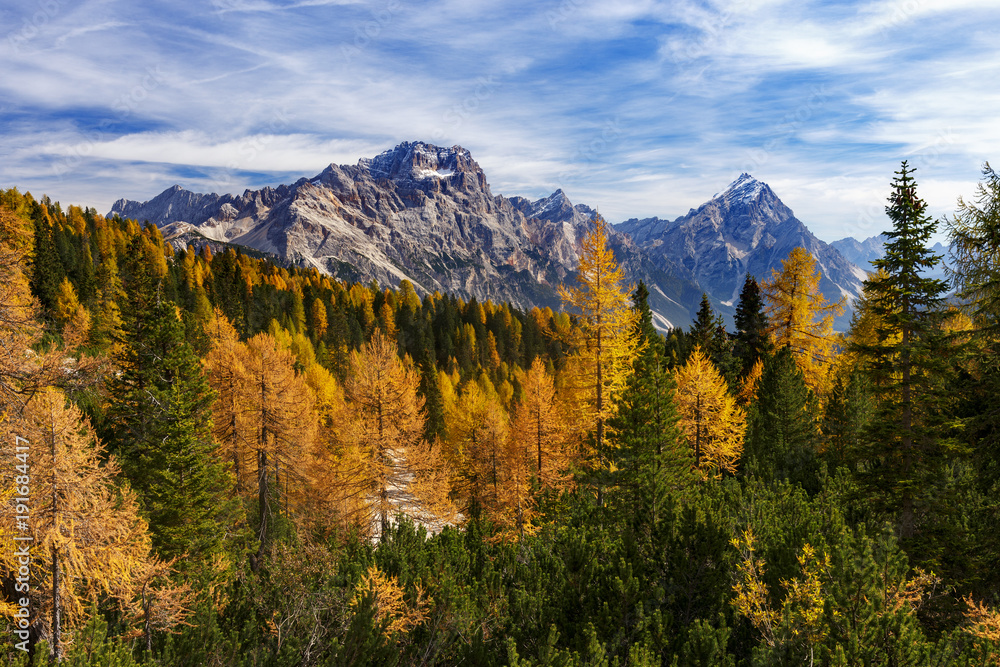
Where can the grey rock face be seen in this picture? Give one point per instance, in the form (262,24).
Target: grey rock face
(417,212)
(745,229)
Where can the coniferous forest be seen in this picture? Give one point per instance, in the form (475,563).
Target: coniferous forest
(212,458)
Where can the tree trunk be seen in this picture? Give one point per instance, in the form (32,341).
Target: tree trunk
(56,652)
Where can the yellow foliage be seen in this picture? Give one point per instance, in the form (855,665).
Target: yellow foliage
(390,603)
(607,340)
(748,389)
(802,610)
(709,417)
(804,599)
(539,428)
(983,624)
(752,599)
(800,318)
(71,317)
(386,421)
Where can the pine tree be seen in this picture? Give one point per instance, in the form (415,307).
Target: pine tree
(608,342)
(159,421)
(907,360)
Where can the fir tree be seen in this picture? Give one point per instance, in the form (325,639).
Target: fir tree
(703,328)
(846,417)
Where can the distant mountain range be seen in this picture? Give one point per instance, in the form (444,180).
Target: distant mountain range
(744,229)
(426,214)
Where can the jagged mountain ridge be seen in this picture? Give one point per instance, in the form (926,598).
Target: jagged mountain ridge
(744,229)
(861,253)
(421,213)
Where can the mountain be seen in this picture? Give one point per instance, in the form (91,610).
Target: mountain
(745,229)
(864,252)
(421,213)
(861,253)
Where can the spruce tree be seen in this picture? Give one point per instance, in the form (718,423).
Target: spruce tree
(782,432)
(159,421)
(752,341)
(907,363)
(703,328)
(653,459)
(846,417)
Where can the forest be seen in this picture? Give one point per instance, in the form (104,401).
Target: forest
(212,458)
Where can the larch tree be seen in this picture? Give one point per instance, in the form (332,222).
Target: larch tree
(908,360)
(608,340)
(709,417)
(89,539)
(388,421)
(282,422)
(478,430)
(229,377)
(537,426)
(799,316)
(19,328)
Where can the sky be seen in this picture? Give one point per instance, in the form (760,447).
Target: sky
(638,108)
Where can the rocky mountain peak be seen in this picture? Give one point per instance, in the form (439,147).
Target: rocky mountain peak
(416,160)
(743,190)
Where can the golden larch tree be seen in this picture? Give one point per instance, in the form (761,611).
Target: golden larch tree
(538,428)
(281,422)
(478,430)
(607,339)
(88,538)
(229,377)
(709,417)
(388,421)
(800,318)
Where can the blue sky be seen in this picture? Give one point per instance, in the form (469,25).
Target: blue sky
(636,107)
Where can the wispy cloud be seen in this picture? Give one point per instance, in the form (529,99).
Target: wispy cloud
(639,108)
